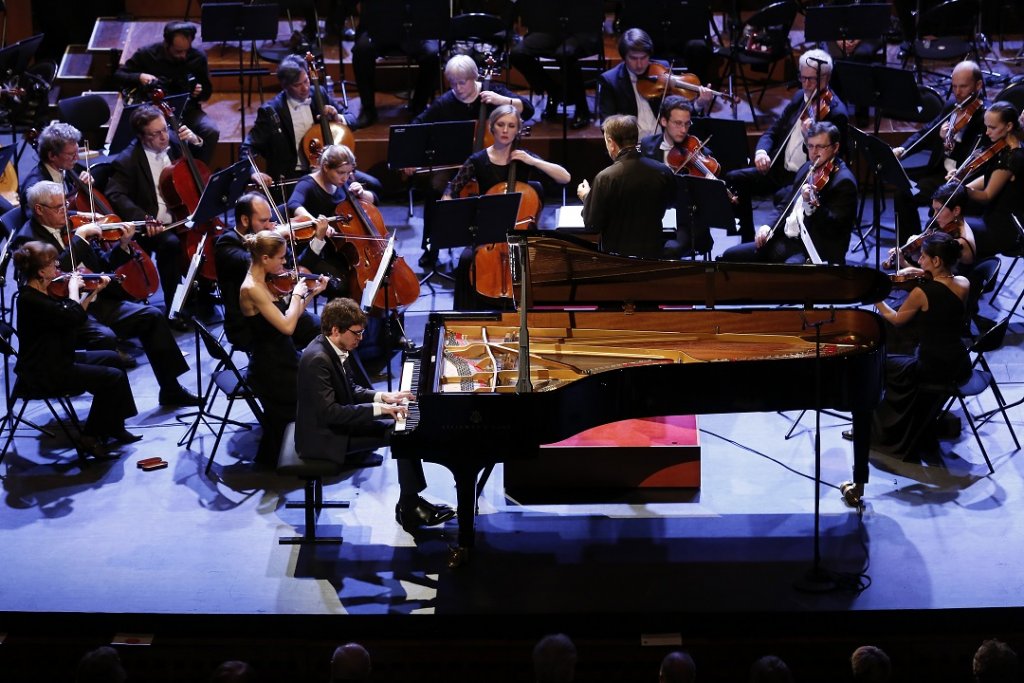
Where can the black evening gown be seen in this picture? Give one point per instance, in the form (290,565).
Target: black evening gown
(273,368)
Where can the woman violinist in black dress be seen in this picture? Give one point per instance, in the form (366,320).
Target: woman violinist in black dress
(47,359)
(274,360)
(1000,190)
(937,305)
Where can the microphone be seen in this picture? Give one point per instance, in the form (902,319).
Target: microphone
(816,60)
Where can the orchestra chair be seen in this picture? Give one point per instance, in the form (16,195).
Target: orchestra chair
(312,473)
(87,113)
(768,28)
(25,392)
(1016,255)
(1013,93)
(945,33)
(225,379)
(982,277)
(981,379)
(12,221)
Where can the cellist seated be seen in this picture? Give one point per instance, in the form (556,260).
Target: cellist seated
(499,168)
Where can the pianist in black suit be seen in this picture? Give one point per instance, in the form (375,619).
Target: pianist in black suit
(826,214)
(337,419)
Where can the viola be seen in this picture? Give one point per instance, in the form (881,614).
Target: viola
(181,185)
(59,287)
(284,282)
(365,242)
(659,81)
(323,133)
(978,159)
(960,117)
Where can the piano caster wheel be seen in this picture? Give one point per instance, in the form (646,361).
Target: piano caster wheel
(853,494)
(457,556)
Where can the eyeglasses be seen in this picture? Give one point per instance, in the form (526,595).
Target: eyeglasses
(811,146)
(156,133)
(806,79)
(54,207)
(358,333)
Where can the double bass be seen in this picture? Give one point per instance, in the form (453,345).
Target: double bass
(323,133)
(182,184)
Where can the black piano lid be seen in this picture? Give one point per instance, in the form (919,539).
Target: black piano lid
(565,270)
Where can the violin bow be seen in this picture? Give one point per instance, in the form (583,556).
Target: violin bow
(281,220)
(785,140)
(792,200)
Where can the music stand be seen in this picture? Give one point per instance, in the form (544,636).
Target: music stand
(881,87)
(669,23)
(846,22)
(222,191)
(123,133)
(730,140)
(234,22)
(565,19)
(385,20)
(701,204)
(426,145)
(473,221)
(14,59)
(382,281)
(887,170)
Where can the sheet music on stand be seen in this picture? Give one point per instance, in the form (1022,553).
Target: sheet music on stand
(373,286)
(181,293)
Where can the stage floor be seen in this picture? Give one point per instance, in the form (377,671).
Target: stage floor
(112,539)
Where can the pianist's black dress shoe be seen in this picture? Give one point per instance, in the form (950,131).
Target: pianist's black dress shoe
(848,434)
(370,459)
(422,513)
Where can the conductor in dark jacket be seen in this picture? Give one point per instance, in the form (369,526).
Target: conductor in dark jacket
(627,203)
(335,418)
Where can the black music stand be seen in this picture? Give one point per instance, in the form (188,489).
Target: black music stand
(234,22)
(123,133)
(473,221)
(887,169)
(701,204)
(382,282)
(411,21)
(222,191)
(846,22)
(14,59)
(730,140)
(565,19)
(427,145)
(669,23)
(881,87)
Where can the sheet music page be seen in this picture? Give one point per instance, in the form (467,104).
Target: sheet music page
(373,286)
(181,293)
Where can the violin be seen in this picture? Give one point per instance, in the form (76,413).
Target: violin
(59,286)
(323,133)
(688,156)
(659,81)
(821,106)
(284,282)
(961,116)
(819,179)
(305,230)
(907,281)
(978,159)
(911,251)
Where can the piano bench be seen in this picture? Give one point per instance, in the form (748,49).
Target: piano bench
(312,472)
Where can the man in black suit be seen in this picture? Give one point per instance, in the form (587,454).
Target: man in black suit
(823,218)
(135,192)
(947,149)
(336,419)
(628,200)
(113,313)
(618,84)
(780,151)
(281,123)
(176,67)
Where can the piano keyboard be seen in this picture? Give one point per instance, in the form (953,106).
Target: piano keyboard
(410,378)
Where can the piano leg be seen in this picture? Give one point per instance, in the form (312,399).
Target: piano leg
(466,476)
(861,453)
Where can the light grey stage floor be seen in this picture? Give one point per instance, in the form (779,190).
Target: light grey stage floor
(111,538)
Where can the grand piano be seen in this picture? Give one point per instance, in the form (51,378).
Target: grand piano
(609,338)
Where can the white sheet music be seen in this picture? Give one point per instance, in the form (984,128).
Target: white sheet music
(371,287)
(181,293)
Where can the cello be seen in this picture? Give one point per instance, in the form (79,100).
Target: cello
(323,133)
(181,185)
(364,238)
